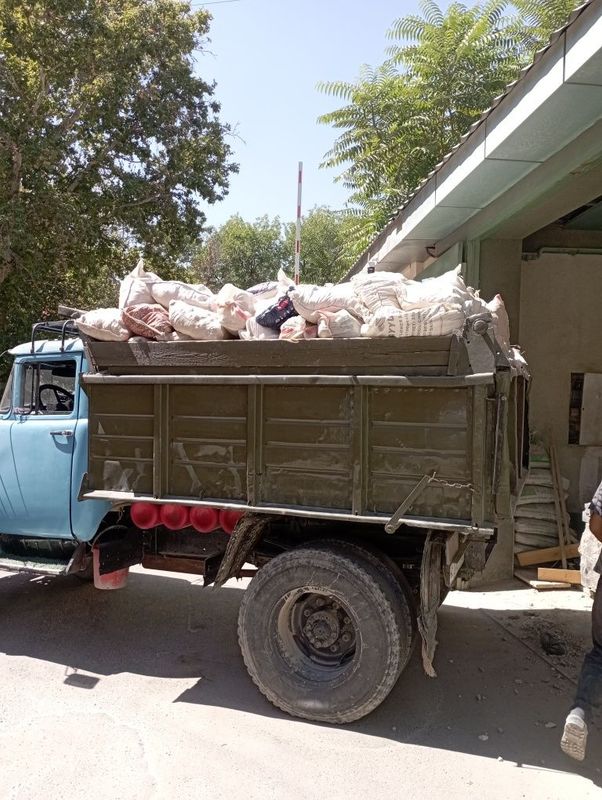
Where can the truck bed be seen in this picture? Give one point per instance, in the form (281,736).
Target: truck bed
(342,429)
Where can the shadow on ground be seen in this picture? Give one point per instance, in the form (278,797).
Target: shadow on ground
(497,694)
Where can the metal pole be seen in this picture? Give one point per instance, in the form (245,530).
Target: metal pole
(298,233)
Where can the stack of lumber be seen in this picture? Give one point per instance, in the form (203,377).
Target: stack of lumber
(541,524)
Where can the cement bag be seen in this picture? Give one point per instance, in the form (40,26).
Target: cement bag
(196,322)
(234,307)
(447,289)
(135,288)
(104,324)
(501,323)
(253,330)
(194,294)
(147,319)
(297,328)
(340,325)
(378,290)
(310,300)
(433,321)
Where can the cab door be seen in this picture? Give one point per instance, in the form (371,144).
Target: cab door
(42,436)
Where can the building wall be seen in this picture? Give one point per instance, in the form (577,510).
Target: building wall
(561,332)
(500,273)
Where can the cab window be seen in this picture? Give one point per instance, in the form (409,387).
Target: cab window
(7,395)
(46,387)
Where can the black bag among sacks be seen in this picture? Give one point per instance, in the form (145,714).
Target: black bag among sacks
(275,315)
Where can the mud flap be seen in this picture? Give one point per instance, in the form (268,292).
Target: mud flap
(245,537)
(430,597)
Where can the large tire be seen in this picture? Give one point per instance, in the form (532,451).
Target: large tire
(322,634)
(391,580)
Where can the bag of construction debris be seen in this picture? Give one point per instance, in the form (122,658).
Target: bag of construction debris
(434,321)
(310,300)
(448,289)
(104,324)
(234,307)
(297,328)
(147,319)
(377,290)
(253,330)
(193,294)
(136,287)
(338,325)
(196,322)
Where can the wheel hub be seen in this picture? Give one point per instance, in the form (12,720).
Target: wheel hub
(322,629)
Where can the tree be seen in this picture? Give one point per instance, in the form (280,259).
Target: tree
(108,140)
(324,253)
(247,253)
(444,69)
(242,253)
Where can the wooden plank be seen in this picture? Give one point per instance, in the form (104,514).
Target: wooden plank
(572,576)
(546,554)
(559,506)
(530,578)
(319,353)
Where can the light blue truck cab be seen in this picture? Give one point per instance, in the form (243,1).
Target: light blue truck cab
(43,458)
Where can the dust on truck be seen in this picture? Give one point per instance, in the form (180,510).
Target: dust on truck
(361,479)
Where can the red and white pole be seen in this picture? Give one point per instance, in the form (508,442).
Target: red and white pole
(298,233)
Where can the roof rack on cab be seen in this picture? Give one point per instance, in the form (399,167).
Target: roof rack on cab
(61,327)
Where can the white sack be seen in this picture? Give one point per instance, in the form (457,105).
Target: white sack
(297,328)
(378,289)
(234,307)
(309,300)
(433,321)
(501,323)
(340,325)
(198,323)
(193,294)
(104,324)
(447,289)
(136,288)
(253,330)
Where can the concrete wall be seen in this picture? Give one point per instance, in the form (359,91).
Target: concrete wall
(561,332)
(500,273)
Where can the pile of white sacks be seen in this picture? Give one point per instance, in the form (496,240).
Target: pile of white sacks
(373,305)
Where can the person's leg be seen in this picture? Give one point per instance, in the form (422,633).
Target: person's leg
(589,689)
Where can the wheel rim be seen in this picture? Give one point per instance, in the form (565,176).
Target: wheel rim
(317,634)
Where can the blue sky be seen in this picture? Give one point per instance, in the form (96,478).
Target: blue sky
(267,57)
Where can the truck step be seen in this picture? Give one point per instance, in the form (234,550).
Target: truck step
(41,566)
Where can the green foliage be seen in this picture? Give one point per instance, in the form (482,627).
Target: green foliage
(242,253)
(538,19)
(325,256)
(444,68)
(246,253)
(108,140)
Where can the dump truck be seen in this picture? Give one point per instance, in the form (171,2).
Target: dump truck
(355,481)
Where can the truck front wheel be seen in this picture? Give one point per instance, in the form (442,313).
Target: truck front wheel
(320,635)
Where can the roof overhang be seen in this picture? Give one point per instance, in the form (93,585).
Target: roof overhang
(546,128)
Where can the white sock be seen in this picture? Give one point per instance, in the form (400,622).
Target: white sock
(578,712)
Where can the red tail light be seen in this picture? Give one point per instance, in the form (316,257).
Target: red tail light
(145,515)
(228,519)
(204,520)
(175,517)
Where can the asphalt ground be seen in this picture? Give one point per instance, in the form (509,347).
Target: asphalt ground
(141,693)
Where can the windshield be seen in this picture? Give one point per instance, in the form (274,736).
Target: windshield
(7,394)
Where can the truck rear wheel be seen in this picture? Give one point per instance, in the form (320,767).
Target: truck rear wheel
(321,635)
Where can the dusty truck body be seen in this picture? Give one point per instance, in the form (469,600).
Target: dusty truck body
(361,478)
